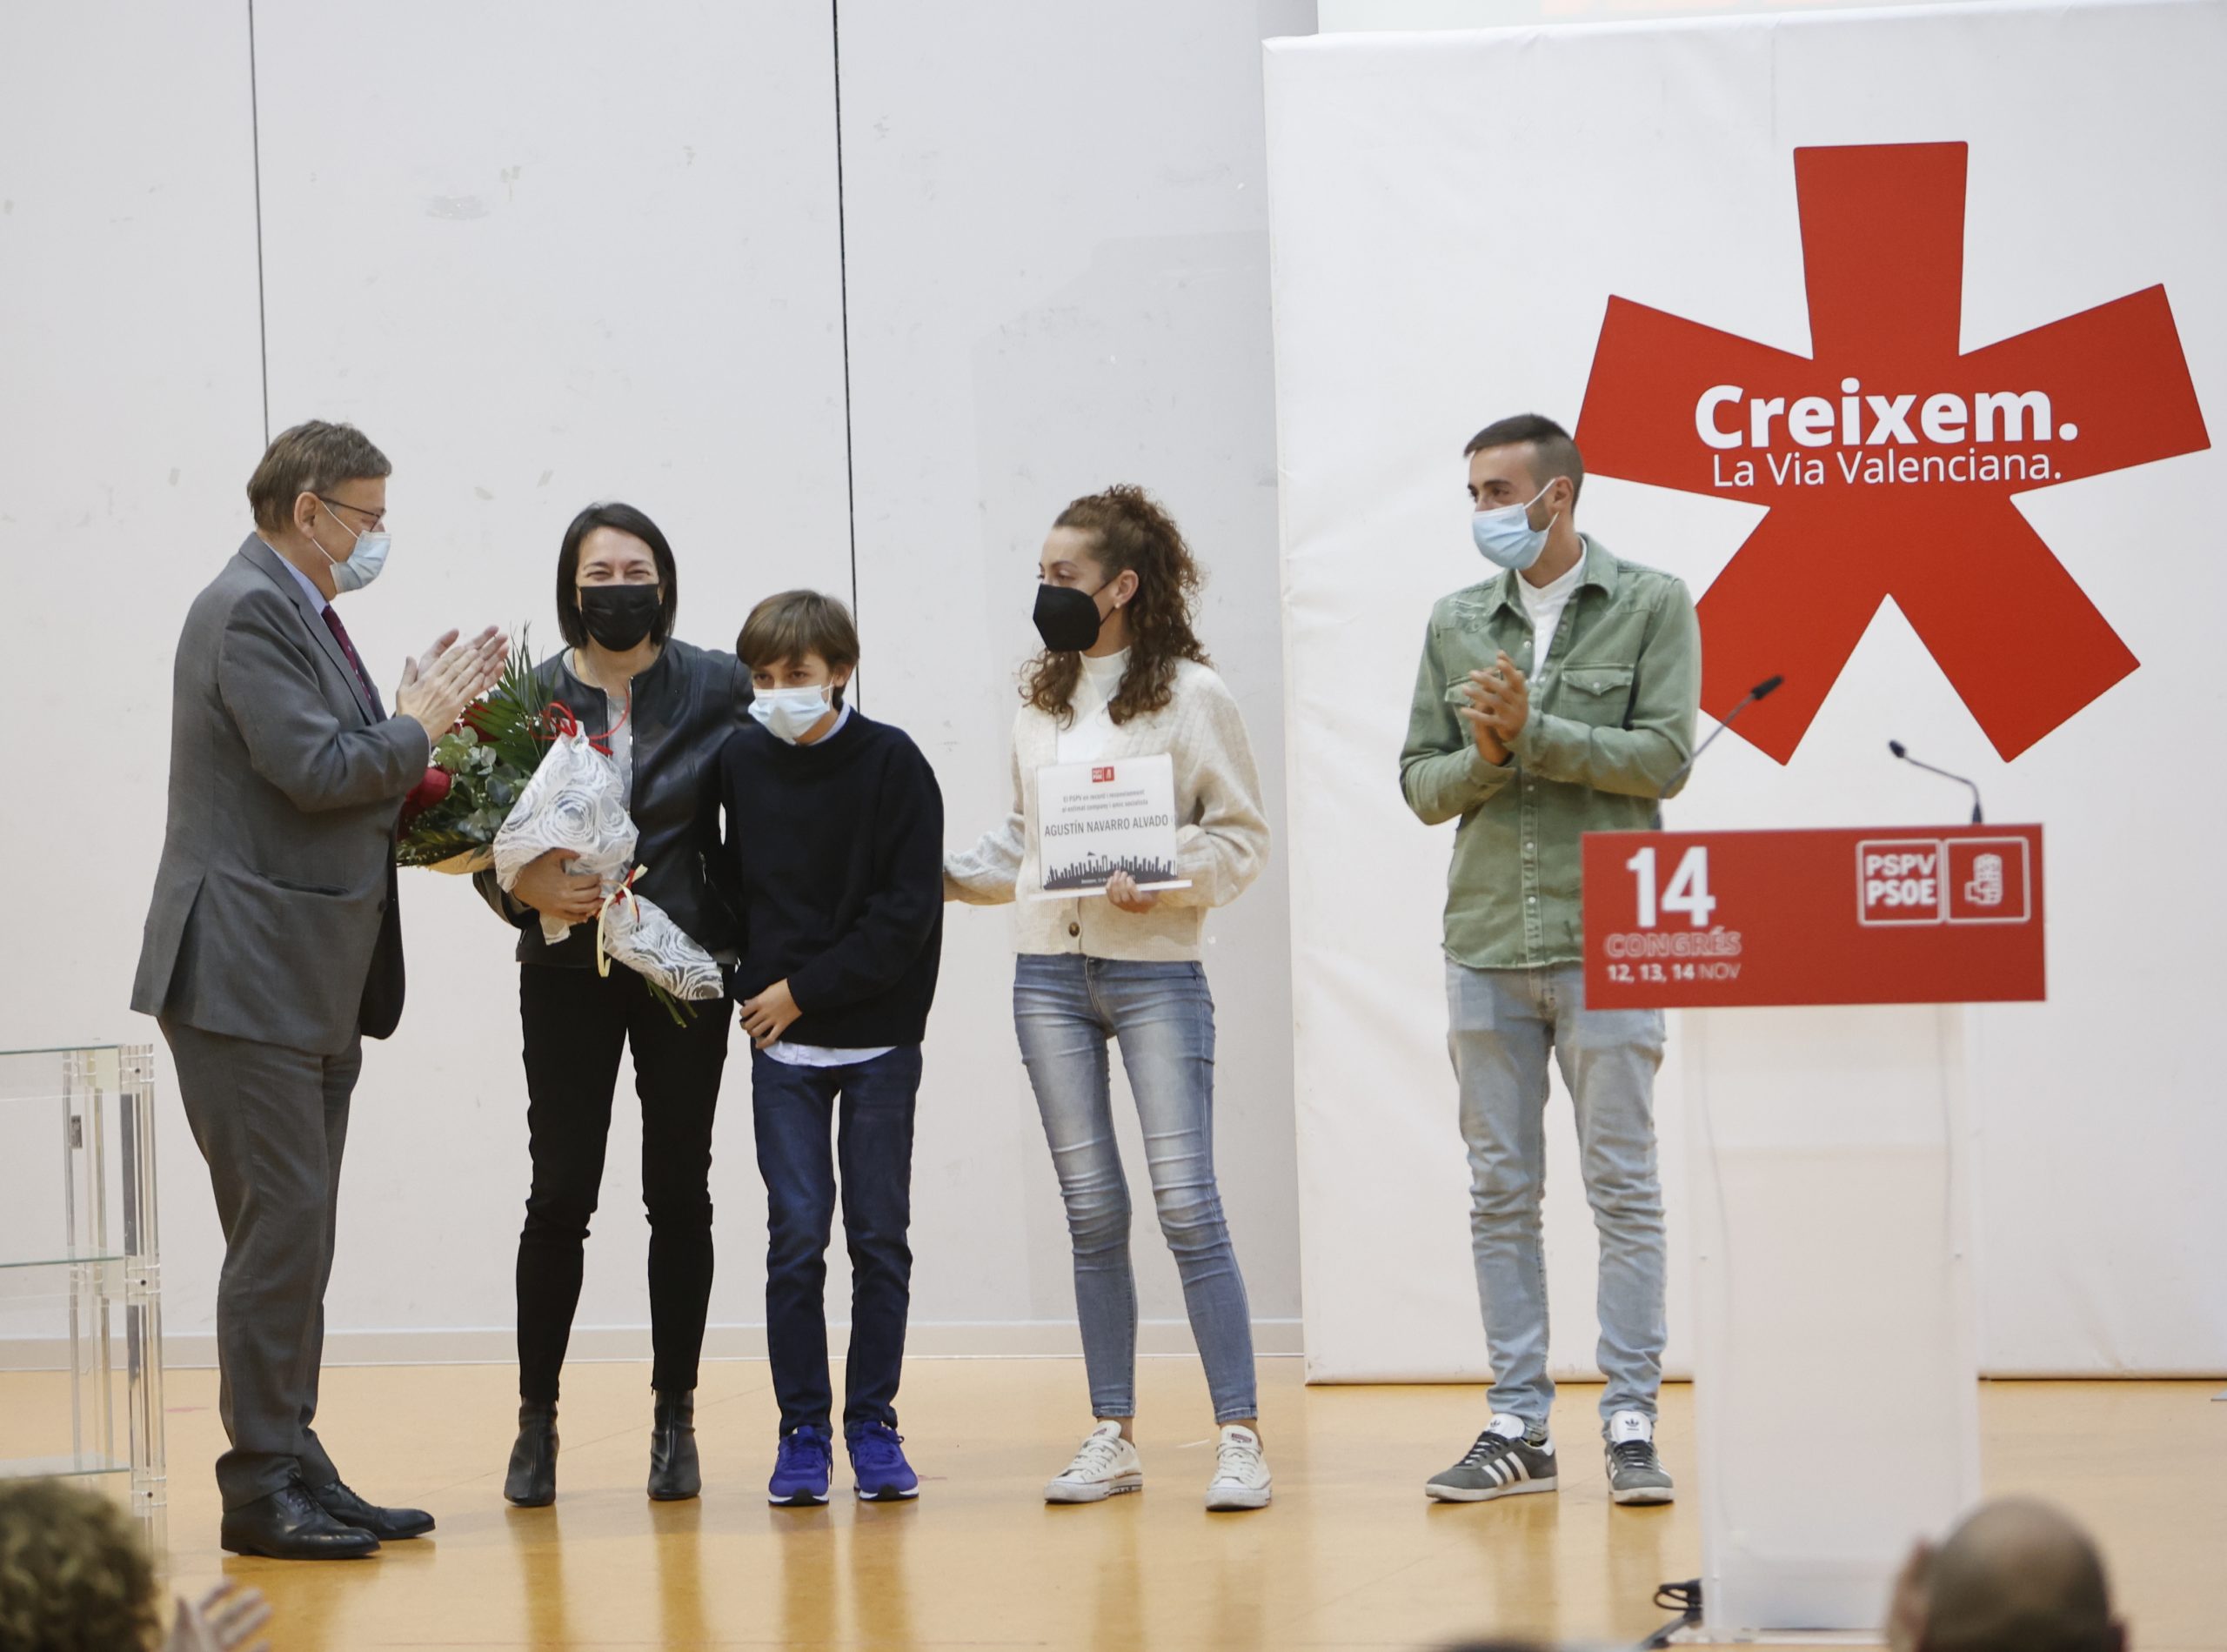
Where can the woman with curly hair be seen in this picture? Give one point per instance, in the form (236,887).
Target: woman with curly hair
(1123,676)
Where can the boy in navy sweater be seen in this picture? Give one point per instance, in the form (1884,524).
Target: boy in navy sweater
(835,857)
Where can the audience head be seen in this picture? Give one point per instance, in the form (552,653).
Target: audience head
(2017,1576)
(73,1576)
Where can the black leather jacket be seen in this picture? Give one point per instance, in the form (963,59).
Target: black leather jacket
(685,707)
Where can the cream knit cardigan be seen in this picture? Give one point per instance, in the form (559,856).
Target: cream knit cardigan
(1220,846)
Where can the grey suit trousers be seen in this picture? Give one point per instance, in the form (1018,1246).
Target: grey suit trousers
(272,1122)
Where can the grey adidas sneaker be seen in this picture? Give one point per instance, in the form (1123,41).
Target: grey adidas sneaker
(1510,1457)
(1636,1472)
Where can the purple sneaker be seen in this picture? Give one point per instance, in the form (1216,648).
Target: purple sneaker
(877,1464)
(802,1471)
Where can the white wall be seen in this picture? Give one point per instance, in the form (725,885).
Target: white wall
(131,413)
(1407,318)
(629,288)
(1352,16)
(576,253)
(1057,260)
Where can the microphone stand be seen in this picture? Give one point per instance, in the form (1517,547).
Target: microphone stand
(1903,751)
(1762,691)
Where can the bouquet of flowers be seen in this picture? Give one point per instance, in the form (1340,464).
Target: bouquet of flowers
(516,777)
(479,770)
(574,804)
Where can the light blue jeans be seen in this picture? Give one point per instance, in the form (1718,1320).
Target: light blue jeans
(1065,1009)
(1504,1024)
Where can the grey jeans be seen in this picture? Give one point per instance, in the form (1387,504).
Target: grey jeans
(1504,1023)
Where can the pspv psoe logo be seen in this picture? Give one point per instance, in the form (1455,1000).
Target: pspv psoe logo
(1101,776)
(1937,880)
(1889,455)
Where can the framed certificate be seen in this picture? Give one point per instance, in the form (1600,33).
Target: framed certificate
(1094,819)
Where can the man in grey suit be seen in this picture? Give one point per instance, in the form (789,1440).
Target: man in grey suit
(274,945)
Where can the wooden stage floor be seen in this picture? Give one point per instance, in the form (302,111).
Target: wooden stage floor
(1351,1555)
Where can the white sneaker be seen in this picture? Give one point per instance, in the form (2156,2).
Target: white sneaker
(1107,1464)
(1241,1478)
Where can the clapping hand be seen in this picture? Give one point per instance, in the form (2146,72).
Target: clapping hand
(1500,705)
(229,1618)
(1476,712)
(449,676)
(1908,1609)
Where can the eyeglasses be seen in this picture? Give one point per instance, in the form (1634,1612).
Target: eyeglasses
(378,517)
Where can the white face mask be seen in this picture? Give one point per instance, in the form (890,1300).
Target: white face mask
(363,564)
(789,713)
(1506,536)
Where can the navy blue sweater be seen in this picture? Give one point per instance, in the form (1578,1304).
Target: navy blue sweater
(834,857)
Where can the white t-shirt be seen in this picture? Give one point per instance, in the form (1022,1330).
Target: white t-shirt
(1091,731)
(1545,604)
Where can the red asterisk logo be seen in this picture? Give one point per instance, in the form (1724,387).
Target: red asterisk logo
(1889,457)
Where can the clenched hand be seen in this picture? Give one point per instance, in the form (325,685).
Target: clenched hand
(769,1015)
(569,897)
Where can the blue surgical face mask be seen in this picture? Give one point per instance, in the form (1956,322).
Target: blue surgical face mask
(1506,535)
(363,563)
(788,714)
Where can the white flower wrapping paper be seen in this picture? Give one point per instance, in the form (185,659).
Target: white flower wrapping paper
(573,803)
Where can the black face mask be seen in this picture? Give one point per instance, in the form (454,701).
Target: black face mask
(1066,618)
(619,617)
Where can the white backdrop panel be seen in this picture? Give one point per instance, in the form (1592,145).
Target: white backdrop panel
(1057,272)
(130,410)
(547,255)
(553,254)
(1452,213)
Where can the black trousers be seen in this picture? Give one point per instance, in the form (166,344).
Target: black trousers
(576,1024)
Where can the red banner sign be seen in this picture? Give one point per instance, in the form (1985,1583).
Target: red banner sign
(1943,915)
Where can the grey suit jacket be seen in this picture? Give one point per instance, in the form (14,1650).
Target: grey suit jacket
(274,913)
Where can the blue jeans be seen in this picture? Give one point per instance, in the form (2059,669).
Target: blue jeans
(869,1107)
(1065,1009)
(1504,1024)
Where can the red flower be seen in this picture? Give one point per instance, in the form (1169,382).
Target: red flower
(428,793)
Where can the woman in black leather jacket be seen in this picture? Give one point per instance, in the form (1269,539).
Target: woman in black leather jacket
(664,708)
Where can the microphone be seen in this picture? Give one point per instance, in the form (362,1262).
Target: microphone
(1903,751)
(1763,690)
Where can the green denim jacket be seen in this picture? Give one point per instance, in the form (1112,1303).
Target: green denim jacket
(1612,724)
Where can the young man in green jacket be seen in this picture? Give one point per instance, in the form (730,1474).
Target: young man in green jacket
(1556,698)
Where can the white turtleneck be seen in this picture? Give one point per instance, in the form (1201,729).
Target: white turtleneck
(1087,736)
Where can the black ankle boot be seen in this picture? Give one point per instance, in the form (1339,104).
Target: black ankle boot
(532,1482)
(674,1476)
